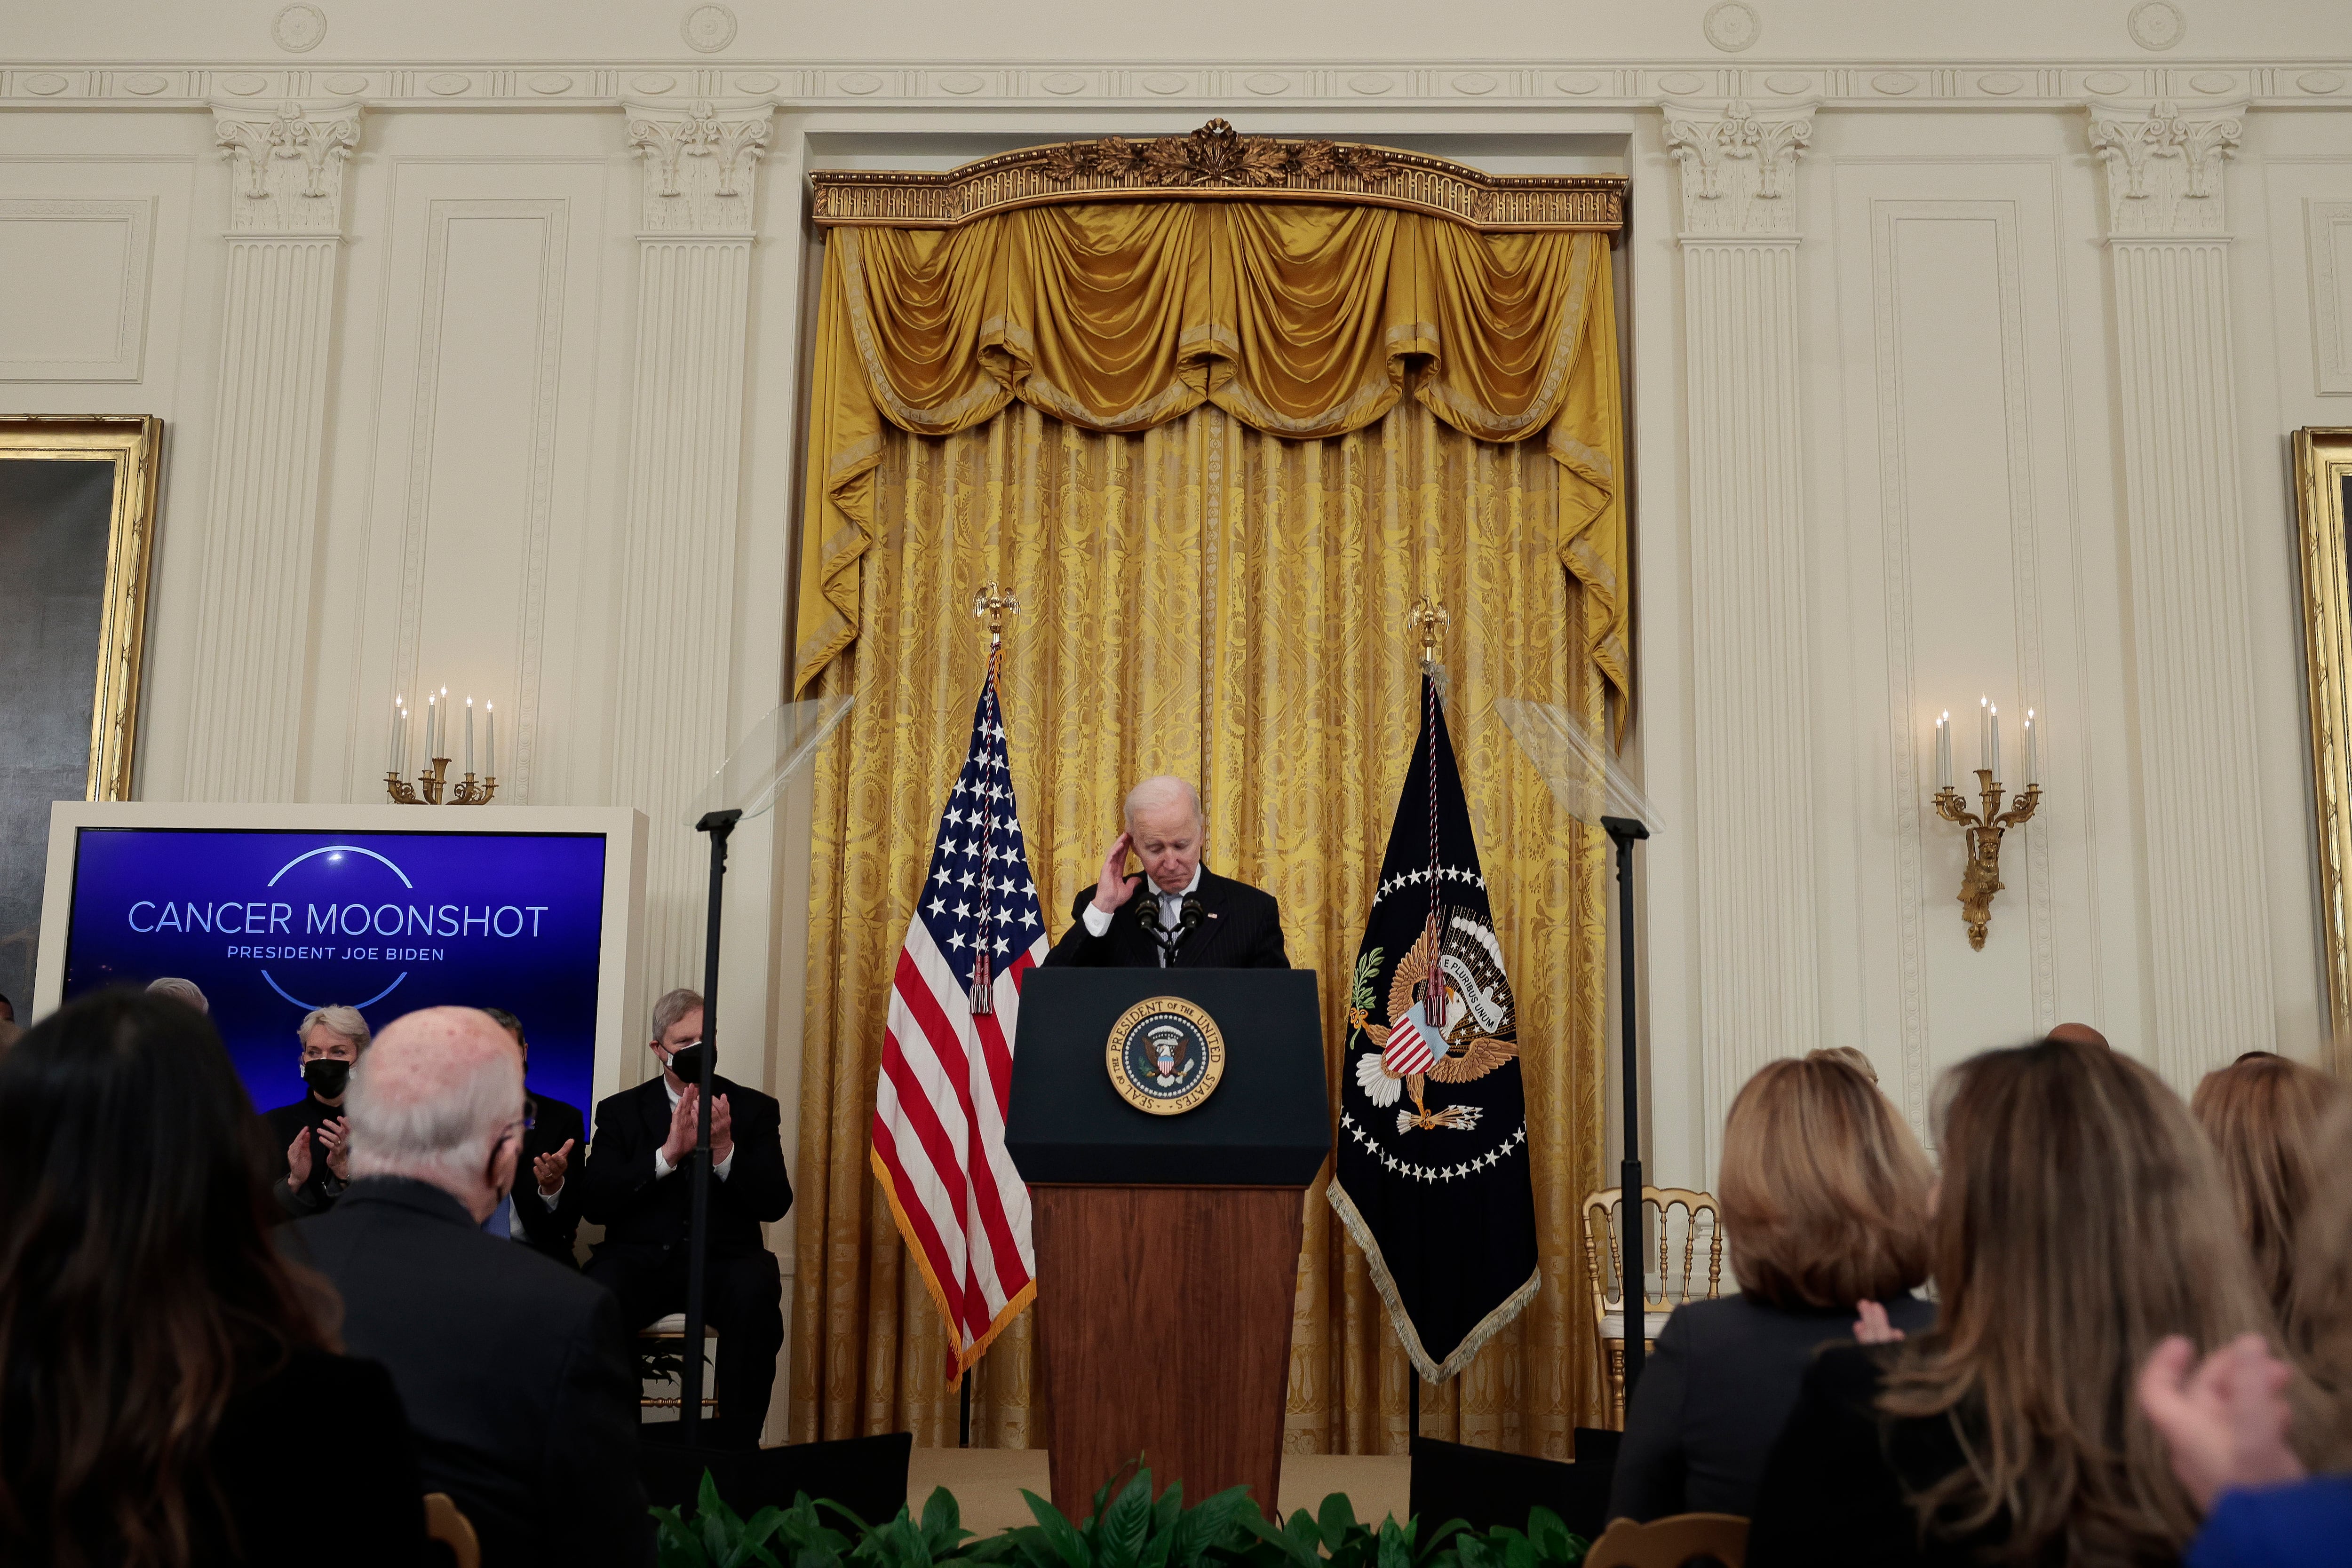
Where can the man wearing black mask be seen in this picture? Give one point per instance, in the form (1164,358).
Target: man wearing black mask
(317,1164)
(543,1212)
(637,1184)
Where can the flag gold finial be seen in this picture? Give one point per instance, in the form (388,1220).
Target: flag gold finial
(992,604)
(1428,616)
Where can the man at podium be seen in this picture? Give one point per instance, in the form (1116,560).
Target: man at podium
(1177,913)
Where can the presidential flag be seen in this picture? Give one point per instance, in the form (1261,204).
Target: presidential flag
(1432,1178)
(947,1063)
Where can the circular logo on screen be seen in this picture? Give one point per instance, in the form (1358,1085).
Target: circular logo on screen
(1165,1055)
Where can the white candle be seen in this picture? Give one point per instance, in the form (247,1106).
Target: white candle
(490,741)
(2032,752)
(469,734)
(1995,752)
(1944,751)
(1984,731)
(432,729)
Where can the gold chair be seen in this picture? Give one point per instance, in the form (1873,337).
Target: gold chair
(1672,1542)
(1602,1215)
(661,1343)
(445,1523)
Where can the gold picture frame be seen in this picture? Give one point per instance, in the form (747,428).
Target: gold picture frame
(2323,493)
(132,444)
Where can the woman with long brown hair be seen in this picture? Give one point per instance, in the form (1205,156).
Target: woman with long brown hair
(2263,1113)
(170,1392)
(2080,1221)
(1824,1204)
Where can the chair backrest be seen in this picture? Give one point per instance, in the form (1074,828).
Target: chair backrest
(1678,1222)
(1672,1542)
(445,1523)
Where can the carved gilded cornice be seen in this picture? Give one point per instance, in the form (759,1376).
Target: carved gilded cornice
(1214,162)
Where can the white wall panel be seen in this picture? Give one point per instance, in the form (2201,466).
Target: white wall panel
(75,308)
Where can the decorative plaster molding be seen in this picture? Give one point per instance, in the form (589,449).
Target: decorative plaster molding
(1758,934)
(1738,166)
(699,167)
(2164,168)
(125,337)
(2208,911)
(288,163)
(1516,82)
(2155,25)
(299,29)
(2329,227)
(262,523)
(707,29)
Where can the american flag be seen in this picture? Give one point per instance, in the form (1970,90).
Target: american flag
(947,1065)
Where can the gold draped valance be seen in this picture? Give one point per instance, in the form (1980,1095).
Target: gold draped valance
(1302,320)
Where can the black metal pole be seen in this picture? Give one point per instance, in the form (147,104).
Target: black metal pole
(1624,831)
(718,824)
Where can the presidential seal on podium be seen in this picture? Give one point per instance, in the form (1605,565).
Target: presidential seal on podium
(1165,1055)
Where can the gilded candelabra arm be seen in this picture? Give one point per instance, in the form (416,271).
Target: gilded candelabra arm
(471,791)
(401,792)
(2027,804)
(1950,806)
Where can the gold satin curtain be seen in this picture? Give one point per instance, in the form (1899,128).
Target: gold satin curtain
(1217,588)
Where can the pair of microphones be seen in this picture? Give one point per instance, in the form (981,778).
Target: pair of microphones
(1188,919)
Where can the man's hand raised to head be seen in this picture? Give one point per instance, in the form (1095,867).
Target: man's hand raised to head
(1115,889)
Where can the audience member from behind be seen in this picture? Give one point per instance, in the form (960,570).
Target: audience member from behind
(7,1010)
(1858,1060)
(2079,1220)
(1824,1199)
(313,1132)
(636,1188)
(544,1211)
(155,1351)
(518,1383)
(2263,1112)
(184,992)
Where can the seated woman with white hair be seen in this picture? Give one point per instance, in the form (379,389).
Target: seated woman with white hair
(315,1164)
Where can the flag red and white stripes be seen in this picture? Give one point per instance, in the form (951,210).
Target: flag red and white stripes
(947,1065)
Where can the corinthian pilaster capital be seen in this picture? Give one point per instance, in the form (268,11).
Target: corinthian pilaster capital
(1738,166)
(289,165)
(2164,168)
(700,166)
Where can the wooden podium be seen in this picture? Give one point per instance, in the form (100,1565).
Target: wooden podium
(1167,1244)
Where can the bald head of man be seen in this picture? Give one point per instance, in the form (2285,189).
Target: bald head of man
(1164,825)
(438,1098)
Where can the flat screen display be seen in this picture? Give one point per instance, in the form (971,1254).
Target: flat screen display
(270,925)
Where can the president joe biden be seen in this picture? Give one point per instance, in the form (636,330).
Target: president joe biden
(1176,913)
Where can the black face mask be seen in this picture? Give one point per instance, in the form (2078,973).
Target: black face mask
(687,1062)
(327,1077)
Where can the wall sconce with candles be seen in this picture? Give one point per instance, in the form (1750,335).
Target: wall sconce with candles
(1982,879)
(432,786)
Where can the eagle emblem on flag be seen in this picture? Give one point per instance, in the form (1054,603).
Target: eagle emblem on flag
(1460,979)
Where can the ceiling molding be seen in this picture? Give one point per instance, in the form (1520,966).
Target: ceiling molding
(1516,84)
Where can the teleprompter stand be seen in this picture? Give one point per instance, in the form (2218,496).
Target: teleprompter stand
(746,787)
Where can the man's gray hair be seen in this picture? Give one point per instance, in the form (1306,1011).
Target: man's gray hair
(1164,789)
(180,990)
(434,1109)
(344,1021)
(674,1006)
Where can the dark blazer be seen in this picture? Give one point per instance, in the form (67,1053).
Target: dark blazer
(552,1231)
(517,1378)
(620,1192)
(318,1194)
(1832,1492)
(371,1509)
(1242,931)
(1714,1396)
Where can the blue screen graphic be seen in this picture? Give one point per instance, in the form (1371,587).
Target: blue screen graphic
(271,924)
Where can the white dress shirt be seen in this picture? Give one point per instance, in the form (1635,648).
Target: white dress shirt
(1171,910)
(662,1166)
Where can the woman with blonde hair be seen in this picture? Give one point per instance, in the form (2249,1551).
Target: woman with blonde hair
(2080,1221)
(1824,1204)
(2263,1113)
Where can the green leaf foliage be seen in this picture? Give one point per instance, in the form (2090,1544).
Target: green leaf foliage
(1129,1527)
